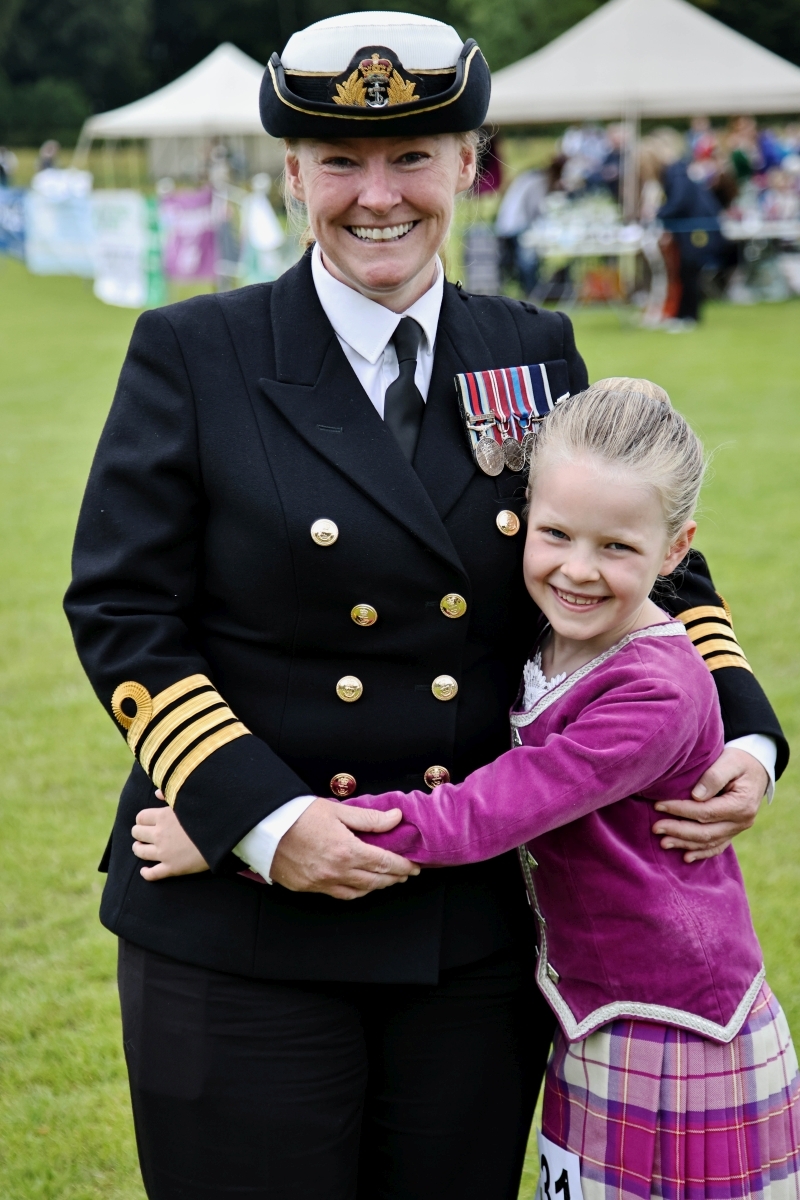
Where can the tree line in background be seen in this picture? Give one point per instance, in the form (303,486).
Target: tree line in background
(61,60)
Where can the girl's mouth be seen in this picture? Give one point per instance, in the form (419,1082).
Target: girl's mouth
(381,233)
(577,602)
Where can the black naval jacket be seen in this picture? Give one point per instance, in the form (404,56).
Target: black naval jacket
(237,424)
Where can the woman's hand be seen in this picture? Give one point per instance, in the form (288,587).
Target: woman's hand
(725,802)
(161,839)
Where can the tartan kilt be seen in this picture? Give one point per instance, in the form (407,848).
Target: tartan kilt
(656,1111)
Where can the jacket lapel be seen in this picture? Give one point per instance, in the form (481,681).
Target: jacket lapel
(318,394)
(443,460)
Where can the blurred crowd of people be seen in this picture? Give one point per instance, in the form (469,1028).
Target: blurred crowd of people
(690,186)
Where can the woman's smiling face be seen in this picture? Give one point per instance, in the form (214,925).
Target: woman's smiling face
(596,542)
(380,208)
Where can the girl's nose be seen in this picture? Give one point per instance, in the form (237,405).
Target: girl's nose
(580,568)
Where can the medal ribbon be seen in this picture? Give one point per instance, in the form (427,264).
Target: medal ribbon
(505,403)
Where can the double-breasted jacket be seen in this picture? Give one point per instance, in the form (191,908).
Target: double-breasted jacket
(216,628)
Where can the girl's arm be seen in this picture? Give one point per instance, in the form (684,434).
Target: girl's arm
(620,744)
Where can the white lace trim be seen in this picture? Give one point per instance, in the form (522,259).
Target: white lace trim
(536,682)
(664,1014)
(671,629)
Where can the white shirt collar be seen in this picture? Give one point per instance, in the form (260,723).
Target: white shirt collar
(366,325)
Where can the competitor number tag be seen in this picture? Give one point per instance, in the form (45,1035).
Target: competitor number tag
(559,1172)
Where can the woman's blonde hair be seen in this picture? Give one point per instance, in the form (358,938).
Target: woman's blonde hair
(296,213)
(630,423)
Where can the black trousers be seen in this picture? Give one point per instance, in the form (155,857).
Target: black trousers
(307,1091)
(689,307)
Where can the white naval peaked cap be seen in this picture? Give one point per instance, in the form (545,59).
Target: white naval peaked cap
(420,43)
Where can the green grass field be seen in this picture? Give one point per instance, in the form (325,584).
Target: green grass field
(65,1131)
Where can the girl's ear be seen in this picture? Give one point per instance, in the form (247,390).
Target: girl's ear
(679,548)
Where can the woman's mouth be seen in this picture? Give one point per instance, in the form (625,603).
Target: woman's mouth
(578,602)
(381,233)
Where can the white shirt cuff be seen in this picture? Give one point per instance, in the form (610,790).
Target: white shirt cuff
(763,750)
(257,848)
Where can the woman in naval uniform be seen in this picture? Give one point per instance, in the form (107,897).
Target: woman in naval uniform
(292,580)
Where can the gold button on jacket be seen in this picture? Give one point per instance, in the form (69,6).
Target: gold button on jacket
(453,605)
(349,688)
(444,687)
(364,614)
(343,785)
(324,532)
(507,522)
(434,776)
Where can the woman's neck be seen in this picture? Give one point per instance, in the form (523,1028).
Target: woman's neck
(564,655)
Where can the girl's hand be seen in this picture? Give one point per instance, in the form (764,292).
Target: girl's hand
(161,839)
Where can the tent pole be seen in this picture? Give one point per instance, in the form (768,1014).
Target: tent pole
(80,155)
(630,164)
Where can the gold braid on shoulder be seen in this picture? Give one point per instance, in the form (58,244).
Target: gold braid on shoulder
(711,629)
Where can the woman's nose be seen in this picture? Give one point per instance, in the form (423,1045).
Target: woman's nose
(378,193)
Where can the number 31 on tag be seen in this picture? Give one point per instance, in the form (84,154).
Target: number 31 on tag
(559,1172)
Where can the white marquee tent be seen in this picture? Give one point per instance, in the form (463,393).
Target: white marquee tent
(216,99)
(644,58)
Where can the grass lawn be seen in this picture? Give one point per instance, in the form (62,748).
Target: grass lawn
(65,1130)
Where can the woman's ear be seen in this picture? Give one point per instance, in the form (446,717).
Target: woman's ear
(468,166)
(679,548)
(294,178)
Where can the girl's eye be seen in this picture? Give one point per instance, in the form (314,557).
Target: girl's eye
(620,546)
(556,533)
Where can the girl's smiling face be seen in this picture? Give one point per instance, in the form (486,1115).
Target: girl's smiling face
(596,542)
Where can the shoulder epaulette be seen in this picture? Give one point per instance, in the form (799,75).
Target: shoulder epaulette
(711,629)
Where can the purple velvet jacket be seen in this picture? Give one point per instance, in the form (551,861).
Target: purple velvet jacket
(626,929)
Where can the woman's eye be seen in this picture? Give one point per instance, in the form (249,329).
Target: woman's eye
(414,156)
(338,162)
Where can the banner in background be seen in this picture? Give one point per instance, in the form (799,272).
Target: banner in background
(189,241)
(58,224)
(12,222)
(263,239)
(120,223)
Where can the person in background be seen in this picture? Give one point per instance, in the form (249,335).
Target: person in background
(519,208)
(8,166)
(48,155)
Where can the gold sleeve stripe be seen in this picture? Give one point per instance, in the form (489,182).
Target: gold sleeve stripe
(709,627)
(190,708)
(185,739)
(720,644)
(200,753)
(704,611)
(727,660)
(146,706)
(190,684)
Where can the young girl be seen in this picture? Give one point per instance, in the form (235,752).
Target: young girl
(673,1074)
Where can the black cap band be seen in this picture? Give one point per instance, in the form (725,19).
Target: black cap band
(376,97)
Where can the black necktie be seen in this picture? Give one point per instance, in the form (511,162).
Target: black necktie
(403,405)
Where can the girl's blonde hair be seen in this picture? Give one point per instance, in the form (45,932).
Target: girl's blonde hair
(629,422)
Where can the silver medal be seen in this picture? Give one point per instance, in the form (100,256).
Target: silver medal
(528,443)
(489,455)
(514,455)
